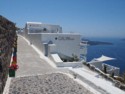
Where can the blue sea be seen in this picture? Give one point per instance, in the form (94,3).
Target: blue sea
(117,50)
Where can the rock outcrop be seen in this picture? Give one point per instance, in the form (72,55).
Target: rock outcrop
(7,36)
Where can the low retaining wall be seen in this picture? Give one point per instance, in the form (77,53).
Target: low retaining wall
(34,39)
(59,63)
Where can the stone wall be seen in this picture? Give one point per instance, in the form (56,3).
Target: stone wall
(7,36)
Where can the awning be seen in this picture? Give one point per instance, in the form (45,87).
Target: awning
(104,58)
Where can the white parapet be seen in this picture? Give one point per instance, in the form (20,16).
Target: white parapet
(59,63)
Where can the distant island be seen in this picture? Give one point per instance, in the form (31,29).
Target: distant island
(99,43)
(123,39)
(92,43)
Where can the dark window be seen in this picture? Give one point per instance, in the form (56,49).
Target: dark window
(56,38)
(1,69)
(50,42)
(44,29)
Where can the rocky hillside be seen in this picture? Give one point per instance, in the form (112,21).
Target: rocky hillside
(7,36)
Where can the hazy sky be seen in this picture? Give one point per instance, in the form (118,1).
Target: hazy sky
(102,18)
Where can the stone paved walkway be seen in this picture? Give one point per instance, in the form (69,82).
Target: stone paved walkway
(54,83)
(29,60)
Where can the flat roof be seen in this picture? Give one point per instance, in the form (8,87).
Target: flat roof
(33,23)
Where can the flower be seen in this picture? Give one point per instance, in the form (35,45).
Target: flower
(13,66)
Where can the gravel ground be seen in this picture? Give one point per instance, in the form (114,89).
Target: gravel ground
(54,83)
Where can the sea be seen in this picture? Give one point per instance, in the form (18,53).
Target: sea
(116,50)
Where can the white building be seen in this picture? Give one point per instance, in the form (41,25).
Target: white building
(50,40)
(38,27)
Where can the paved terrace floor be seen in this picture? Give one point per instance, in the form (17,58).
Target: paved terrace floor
(29,60)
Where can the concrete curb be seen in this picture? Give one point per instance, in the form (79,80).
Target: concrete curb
(84,82)
(6,88)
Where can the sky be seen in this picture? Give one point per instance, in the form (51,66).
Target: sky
(90,18)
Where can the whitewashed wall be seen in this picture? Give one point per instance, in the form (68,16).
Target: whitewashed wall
(52,28)
(97,64)
(42,28)
(66,44)
(35,39)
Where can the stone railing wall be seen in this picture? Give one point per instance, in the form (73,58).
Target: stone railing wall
(7,36)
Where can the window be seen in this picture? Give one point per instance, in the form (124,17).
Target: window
(44,29)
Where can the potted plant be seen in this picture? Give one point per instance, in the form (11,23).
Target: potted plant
(12,69)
